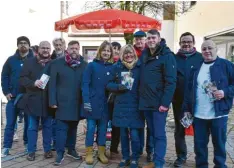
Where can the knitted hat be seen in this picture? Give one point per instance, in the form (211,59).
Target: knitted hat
(23,38)
(139,34)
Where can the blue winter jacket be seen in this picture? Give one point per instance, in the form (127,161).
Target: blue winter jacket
(95,79)
(222,73)
(158,78)
(11,73)
(126,111)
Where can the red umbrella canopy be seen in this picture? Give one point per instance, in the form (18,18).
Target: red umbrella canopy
(112,20)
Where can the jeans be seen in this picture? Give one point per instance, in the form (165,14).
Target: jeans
(101,130)
(157,125)
(54,131)
(33,133)
(11,117)
(202,130)
(135,143)
(66,132)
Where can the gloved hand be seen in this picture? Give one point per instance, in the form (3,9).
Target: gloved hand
(87,107)
(122,87)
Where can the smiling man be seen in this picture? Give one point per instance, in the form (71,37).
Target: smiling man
(186,58)
(36,101)
(157,85)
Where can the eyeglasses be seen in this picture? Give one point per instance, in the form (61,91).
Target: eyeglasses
(45,48)
(186,42)
(23,43)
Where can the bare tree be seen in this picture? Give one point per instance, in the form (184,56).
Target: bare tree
(152,8)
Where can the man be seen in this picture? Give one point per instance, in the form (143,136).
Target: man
(157,85)
(35,100)
(186,57)
(139,46)
(59,45)
(116,50)
(10,88)
(209,97)
(65,96)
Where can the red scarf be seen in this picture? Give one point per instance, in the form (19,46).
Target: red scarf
(72,62)
(43,61)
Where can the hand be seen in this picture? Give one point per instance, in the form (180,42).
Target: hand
(54,106)
(163,109)
(38,83)
(87,107)
(218,94)
(122,87)
(9,96)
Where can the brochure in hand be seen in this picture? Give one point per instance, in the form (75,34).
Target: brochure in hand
(187,120)
(127,79)
(45,79)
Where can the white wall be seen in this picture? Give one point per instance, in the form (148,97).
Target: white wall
(167,32)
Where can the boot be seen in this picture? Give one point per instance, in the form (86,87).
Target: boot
(89,155)
(150,165)
(101,155)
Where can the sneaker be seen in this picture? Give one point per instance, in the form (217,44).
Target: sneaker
(5,152)
(58,160)
(31,157)
(149,157)
(16,138)
(124,163)
(179,162)
(74,154)
(48,155)
(134,164)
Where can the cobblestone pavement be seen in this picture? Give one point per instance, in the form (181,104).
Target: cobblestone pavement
(17,159)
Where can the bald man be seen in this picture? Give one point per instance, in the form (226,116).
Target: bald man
(35,101)
(209,97)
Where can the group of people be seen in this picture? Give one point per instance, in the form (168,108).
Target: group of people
(132,86)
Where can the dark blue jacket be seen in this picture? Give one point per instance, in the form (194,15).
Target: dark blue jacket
(95,79)
(184,65)
(158,78)
(65,89)
(126,113)
(222,73)
(11,73)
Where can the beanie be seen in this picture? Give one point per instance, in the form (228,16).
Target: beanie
(23,38)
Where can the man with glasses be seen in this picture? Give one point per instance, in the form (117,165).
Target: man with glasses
(187,58)
(36,100)
(10,88)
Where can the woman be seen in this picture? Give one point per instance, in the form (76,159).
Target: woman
(126,115)
(95,79)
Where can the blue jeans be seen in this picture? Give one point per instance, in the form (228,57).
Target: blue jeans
(157,125)
(135,143)
(11,117)
(54,131)
(149,140)
(33,133)
(66,132)
(101,130)
(202,130)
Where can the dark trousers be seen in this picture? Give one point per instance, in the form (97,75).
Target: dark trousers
(66,132)
(115,138)
(179,134)
(202,130)
(157,125)
(11,117)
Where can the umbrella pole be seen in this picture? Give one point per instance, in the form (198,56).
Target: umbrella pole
(109,36)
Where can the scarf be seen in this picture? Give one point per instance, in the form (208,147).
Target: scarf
(186,54)
(130,65)
(72,62)
(43,61)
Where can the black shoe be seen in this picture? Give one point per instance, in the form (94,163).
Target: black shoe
(149,157)
(58,160)
(124,163)
(74,154)
(179,162)
(31,157)
(48,155)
